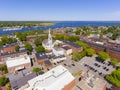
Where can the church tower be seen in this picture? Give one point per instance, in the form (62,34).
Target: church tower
(50,39)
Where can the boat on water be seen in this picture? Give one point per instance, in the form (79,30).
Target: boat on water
(12,28)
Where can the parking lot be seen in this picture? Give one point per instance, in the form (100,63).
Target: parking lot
(71,65)
(97,67)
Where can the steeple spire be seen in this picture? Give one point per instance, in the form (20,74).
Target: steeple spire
(50,39)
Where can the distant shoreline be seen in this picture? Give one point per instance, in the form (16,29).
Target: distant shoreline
(62,24)
(23,24)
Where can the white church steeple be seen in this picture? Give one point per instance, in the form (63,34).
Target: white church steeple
(50,39)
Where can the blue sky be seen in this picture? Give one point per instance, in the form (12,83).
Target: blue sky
(69,10)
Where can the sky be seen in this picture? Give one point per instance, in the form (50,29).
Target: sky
(59,10)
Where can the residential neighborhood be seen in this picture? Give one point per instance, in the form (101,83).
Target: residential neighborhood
(46,60)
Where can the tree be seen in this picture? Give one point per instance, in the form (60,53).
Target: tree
(28,47)
(114,61)
(40,49)
(78,56)
(4,69)
(8,88)
(103,55)
(38,41)
(59,37)
(114,78)
(3,80)
(6,40)
(1,43)
(82,44)
(21,36)
(36,70)
(90,52)
(17,48)
(72,38)
(77,32)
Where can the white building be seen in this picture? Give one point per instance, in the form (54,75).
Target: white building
(67,50)
(58,78)
(58,58)
(17,63)
(58,51)
(48,43)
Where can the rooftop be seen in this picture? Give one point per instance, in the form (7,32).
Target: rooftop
(55,79)
(66,48)
(8,45)
(48,63)
(22,59)
(72,44)
(91,82)
(5,54)
(41,55)
(58,48)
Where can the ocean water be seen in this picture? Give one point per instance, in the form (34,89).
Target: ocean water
(67,24)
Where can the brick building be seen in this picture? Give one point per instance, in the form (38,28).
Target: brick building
(31,38)
(41,58)
(18,63)
(73,46)
(67,50)
(113,52)
(8,48)
(3,56)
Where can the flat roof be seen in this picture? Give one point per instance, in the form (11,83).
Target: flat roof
(16,61)
(55,79)
(66,47)
(91,82)
(72,44)
(5,54)
(18,83)
(58,49)
(8,45)
(47,62)
(41,55)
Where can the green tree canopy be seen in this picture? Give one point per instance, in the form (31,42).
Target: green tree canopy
(78,56)
(90,52)
(4,69)
(21,36)
(114,78)
(84,45)
(103,55)
(36,70)
(38,41)
(40,49)
(28,47)
(114,61)
(17,48)
(59,37)
(1,43)
(72,38)
(3,80)
(77,32)
(6,40)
